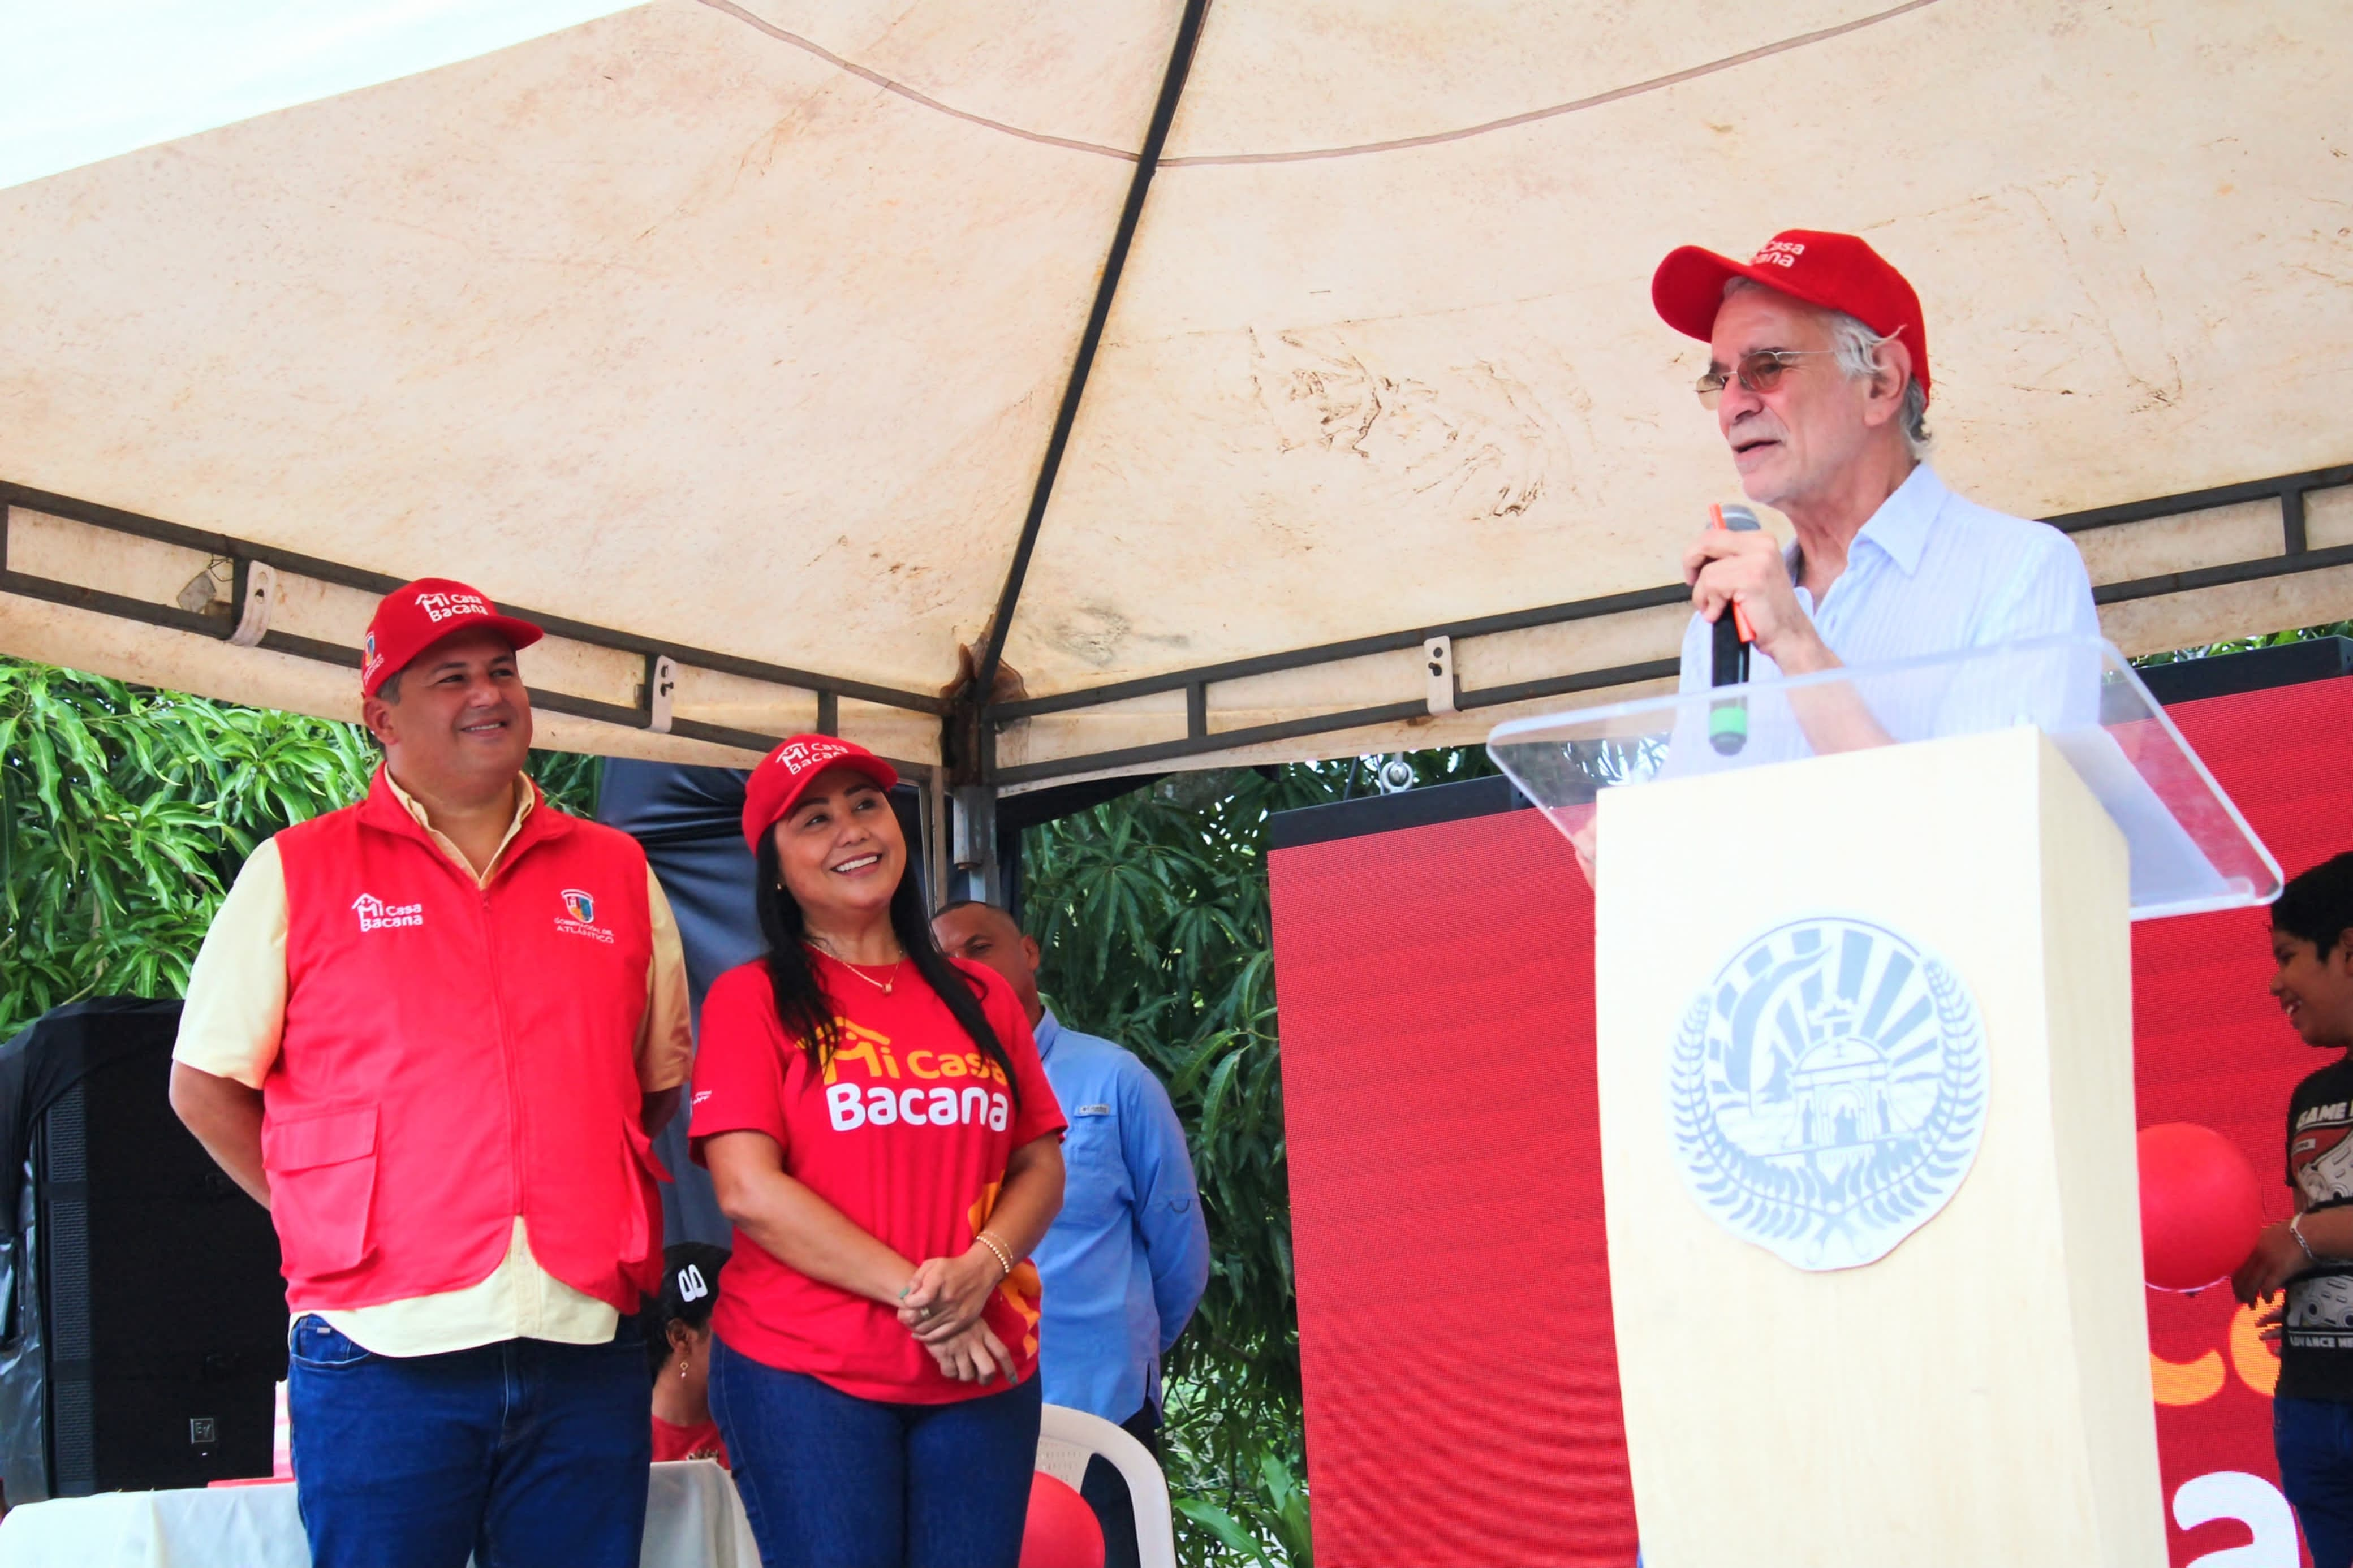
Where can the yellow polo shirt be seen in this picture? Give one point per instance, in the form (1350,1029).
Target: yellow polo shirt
(230,1028)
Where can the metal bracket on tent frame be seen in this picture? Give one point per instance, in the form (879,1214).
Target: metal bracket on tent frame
(662,688)
(2296,555)
(256,592)
(253,589)
(1445,693)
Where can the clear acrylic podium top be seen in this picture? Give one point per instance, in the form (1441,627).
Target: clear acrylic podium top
(2190,849)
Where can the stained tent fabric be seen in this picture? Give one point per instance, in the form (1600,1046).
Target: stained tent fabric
(745,328)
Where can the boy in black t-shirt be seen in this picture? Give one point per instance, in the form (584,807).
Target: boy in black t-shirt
(2311,1253)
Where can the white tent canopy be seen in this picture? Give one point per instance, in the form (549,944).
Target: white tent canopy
(742,336)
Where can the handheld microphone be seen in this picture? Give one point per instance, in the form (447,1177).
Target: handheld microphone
(1727,721)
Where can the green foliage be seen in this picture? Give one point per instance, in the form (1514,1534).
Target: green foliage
(2241,645)
(1152,909)
(125,814)
(568,779)
(1284,1515)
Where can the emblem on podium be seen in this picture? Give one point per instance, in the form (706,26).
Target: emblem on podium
(1827,1091)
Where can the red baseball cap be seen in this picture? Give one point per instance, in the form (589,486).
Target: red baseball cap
(1836,271)
(415,615)
(788,770)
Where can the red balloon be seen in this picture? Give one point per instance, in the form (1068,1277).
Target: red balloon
(2201,1208)
(1062,1531)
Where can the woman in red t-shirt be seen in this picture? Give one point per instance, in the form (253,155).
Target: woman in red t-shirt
(677,1319)
(878,1129)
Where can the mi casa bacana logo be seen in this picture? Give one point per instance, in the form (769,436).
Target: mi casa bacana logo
(922,1088)
(376,915)
(579,917)
(439,607)
(799,756)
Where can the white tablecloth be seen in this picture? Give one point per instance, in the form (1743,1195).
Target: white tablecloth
(693,1520)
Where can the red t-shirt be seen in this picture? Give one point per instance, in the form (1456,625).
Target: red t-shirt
(672,1441)
(906,1133)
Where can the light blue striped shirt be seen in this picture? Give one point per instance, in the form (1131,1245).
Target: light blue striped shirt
(1933,572)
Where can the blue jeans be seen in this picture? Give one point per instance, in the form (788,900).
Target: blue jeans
(2313,1439)
(831,1480)
(524,1453)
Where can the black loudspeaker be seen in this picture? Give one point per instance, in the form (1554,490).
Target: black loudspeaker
(161,1304)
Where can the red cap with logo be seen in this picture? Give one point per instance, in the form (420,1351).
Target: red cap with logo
(788,770)
(415,615)
(1835,271)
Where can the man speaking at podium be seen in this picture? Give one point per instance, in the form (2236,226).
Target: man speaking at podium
(1818,374)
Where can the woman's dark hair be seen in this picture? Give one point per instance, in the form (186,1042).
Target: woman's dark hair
(689,1289)
(803,1006)
(2318,905)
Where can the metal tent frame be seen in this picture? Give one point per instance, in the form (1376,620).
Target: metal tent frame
(965,788)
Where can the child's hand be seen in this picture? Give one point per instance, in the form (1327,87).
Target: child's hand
(2269,1323)
(2277,1258)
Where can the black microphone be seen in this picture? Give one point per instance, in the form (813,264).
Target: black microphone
(1727,721)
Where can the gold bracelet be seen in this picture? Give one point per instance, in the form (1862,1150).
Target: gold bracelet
(1004,1258)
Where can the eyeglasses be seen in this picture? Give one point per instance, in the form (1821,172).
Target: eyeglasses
(1759,371)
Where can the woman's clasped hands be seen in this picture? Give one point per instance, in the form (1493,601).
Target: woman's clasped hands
(941,1306)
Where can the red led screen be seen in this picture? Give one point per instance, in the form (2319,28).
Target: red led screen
(1437,991)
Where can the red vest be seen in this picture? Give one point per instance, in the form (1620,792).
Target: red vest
(455,1056)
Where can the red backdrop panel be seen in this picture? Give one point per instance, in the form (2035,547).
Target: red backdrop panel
(2209,1046)
(1454,1329)
(1437,988)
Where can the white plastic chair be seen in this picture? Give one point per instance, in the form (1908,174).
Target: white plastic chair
(1067,1438)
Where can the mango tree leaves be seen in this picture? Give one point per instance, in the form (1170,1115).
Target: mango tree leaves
(123,813)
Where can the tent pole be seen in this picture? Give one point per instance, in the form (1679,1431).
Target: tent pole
(972,847)
(938,826)
(1171,87)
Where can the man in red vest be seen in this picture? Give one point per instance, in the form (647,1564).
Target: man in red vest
(433,1032)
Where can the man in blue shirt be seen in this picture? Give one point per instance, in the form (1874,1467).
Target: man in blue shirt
(1817,375)
(1127,1258)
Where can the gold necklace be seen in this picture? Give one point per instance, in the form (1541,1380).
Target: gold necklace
(884,986)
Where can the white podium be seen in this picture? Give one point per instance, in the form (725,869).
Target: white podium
(1864,1026)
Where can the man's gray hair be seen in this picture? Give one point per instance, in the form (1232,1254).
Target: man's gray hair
(1857,348)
